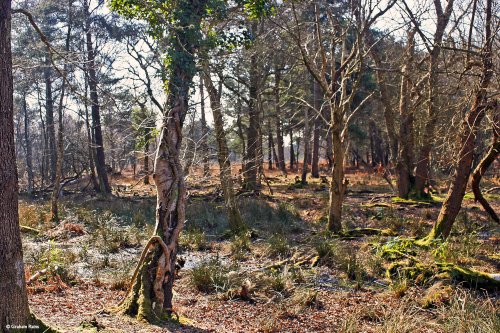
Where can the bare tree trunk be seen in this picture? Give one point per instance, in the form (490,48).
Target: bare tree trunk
(338,183)
(485,163)
(270,145)
(13,298)
(49,118)
(386,103)
(422,164)
(27,141)
(242,138)
(317,95)
(100,161)
(467,137)
(146,158)
(93,177)
(279,130)
(204,132)
(60,130)
(292,153)
(405,163)
(307,134)
(253,133)
(235,221)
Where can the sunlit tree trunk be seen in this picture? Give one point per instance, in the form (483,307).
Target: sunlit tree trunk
(467,138)
(235,221)
(422,163)
(485,163)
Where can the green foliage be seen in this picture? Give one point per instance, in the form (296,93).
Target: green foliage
(179,24)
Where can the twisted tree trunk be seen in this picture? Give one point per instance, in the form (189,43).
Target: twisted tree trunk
(151,293)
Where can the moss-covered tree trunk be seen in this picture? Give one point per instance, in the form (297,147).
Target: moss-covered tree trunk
(235,221)
(467,137)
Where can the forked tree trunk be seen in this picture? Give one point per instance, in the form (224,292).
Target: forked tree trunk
(423,161)
(485,163)
(150,296)
(467,137)
(235,221)
(13,298)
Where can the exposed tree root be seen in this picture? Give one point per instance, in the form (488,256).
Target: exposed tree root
(422,273)
(29,229)
(132,295)
(360,232)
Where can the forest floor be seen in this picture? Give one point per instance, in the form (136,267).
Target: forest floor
(287,275)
